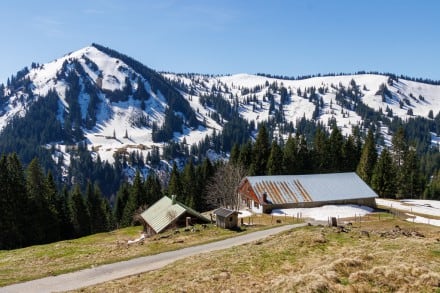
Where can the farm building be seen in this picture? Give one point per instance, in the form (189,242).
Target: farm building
(226,218)
(167,213)
(264,193)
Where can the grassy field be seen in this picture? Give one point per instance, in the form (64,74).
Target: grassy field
(65,256)
(389,255)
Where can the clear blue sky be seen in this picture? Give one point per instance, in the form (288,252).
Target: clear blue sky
(278,37)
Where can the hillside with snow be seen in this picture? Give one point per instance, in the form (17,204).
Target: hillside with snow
(404,98)
(122,106)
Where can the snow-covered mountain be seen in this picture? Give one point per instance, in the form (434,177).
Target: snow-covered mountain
(402,98)
(120,104)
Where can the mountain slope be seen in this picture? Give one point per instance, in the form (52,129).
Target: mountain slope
(401,96)
(116,106)
(113,104)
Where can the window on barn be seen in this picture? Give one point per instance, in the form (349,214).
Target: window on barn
(230,219)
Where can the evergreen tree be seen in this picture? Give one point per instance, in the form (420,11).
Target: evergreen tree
(129,210)
(303,161)
(411,179)
(43,220)
(153,188)
(138,192)
(383,180)
(350,155)
(433,189)
(189,185)
(235,154)
(368,159)
(320,151)
(13,204)
(245,157)
(51,197)
(121,201)
(79,213)
(400,146)
(289,156)
(275,161)
(336,142)
(175,184)
(95,204)
(65,216)
(204,174)
(261,151)
(10,236)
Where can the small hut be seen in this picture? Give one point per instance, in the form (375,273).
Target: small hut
(225,218)
(168,212)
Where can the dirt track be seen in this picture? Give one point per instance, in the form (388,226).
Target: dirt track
(117,270)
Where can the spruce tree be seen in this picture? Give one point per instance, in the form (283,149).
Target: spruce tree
(14,218)
(411,179)
(383,180)
(175,184)
(138,191)
(98,217)
(189,185)
(43,220)
(245,157)
(289,156)
(51,197)
(261,151)
(275,161)
(153,188)
(320,152)
(433,189)
(10,236)
(368,159)
(79,213)
(350,155)
(400,147)
(303,162)
(64,212)
(336,142)
(235,153)
(121,201)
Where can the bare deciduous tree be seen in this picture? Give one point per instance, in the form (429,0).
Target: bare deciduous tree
(222,188)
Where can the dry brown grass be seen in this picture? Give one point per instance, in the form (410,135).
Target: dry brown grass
(375,257)
(65,256)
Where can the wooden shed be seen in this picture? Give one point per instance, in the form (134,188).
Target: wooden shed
(225,218)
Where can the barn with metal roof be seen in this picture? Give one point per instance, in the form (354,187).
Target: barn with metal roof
(168,212)
(264,193)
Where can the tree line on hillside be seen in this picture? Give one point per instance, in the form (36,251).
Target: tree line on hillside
(36,211)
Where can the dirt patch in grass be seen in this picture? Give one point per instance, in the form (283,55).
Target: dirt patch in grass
(385,256)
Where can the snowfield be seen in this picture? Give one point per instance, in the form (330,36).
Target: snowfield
(429,208)
(325,212)
(418,206)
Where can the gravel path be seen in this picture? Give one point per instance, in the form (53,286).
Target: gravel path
(105,273)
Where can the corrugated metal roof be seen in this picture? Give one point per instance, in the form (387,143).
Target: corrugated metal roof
(163,212)
(283,189)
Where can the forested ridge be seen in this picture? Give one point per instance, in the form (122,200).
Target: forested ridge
(36,210)
(54,138)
